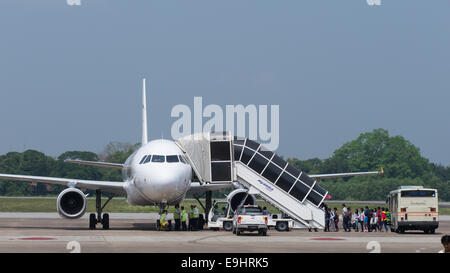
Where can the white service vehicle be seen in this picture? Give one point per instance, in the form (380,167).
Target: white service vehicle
(221,214)
(280,223)
(250,218)
(413,208)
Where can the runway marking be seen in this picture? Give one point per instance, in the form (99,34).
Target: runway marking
(36,238)
(327,239)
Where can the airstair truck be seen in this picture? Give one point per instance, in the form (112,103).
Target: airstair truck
(220,158)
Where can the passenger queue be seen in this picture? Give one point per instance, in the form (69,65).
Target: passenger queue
(360,220)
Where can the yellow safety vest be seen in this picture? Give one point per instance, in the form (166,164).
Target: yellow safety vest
(195,213)
(176,214)
(184,216)
(163,218)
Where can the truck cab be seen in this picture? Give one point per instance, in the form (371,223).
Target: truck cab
(220,216)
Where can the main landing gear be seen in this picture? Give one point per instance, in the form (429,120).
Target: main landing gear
(103,219)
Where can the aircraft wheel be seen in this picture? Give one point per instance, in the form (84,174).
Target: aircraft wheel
(105,221)
(92,221)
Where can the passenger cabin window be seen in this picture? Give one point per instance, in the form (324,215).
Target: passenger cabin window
(158,158)
(172,159)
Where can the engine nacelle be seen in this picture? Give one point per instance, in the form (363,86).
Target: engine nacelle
(235,198)
(71,203)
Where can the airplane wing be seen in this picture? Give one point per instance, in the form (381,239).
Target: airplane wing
(338,175)
(196,187)
(96,163)
(107,186)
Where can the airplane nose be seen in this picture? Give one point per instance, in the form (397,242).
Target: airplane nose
(163,186)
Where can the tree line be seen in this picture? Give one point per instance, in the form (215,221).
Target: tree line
(401,161)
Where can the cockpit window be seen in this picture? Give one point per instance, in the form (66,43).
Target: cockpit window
(182,159)
(142,160)
(158,158)
(147,159)
(172,158)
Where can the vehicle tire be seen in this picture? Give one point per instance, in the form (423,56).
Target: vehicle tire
(105,221)
(228,226)
(282,226)
(92,221)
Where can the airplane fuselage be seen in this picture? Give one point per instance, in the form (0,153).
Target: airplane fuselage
(156,174)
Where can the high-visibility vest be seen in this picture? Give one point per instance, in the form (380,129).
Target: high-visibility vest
(163,218)
(176,215)
(183,215)
(195,213)
(388,216)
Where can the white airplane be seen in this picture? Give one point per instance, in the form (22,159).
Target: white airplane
(157,174)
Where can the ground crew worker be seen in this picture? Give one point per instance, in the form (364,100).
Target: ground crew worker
(164,225)
(191,217)
(177,217)
(184,217)
(196,217)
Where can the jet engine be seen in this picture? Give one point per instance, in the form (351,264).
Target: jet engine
(71,203)
(235,198)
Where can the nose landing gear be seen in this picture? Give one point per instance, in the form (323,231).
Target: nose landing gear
(103,219)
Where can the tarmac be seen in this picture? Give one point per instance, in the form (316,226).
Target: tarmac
(136,233)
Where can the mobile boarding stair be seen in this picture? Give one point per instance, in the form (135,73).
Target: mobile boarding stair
(222,158)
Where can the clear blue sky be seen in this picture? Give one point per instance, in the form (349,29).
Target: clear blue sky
(70,77)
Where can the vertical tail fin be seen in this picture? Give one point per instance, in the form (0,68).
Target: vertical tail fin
(144,114)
